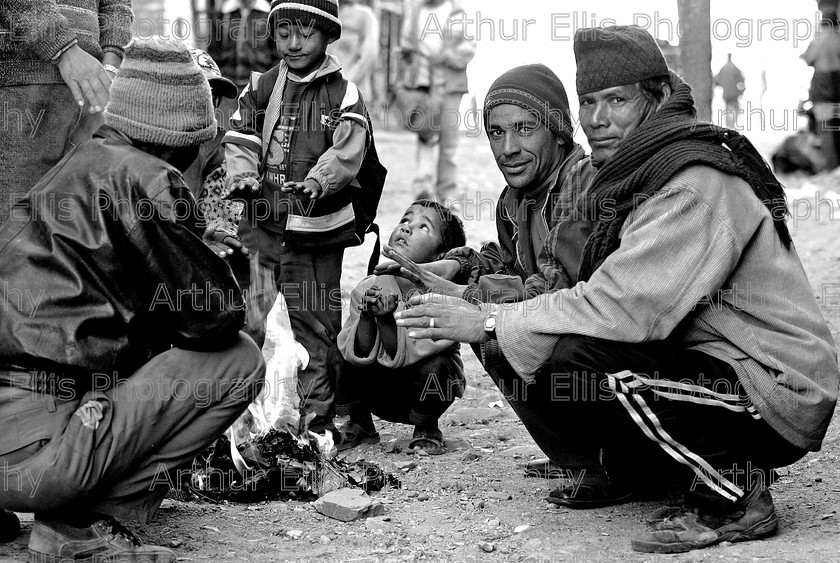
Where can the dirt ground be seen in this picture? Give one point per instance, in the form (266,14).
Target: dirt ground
(477,492)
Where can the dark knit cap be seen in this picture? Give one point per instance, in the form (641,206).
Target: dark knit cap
(613,56)
(537,89)
(322,14)
(160,96)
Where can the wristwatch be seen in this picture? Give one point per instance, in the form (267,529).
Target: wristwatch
(490,325)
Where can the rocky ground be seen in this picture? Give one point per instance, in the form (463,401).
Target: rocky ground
(474,503)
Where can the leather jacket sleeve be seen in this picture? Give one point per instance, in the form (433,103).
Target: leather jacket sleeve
(192,294)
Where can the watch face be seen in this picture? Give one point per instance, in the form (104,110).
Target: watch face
(490,324)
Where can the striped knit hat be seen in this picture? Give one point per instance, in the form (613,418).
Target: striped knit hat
(321,14)
(537,89)
(160,96)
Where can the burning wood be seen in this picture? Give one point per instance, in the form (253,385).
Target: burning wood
(279,466)
(269,452)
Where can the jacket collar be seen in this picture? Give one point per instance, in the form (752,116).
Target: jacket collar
(109,132)
(328,66)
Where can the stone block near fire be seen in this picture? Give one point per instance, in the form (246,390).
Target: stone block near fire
(348,505)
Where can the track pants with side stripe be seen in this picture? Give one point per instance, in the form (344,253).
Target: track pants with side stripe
(653,409)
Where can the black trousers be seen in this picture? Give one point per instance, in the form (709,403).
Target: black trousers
(647,409)
(417,394)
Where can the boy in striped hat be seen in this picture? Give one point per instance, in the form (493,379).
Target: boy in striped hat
(300,152)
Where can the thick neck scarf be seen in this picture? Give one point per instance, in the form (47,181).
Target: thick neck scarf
(670,141)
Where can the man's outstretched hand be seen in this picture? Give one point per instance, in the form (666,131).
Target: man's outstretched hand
(442,317)
(420,276)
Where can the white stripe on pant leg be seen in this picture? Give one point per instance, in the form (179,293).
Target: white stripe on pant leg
(689,389)
(735,403)
(690,456)
(676,450)
(707,402)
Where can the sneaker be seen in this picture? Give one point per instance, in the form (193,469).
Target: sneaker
(9,526)
(681,530)
(103,541)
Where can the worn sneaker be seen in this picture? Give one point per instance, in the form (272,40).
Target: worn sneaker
(685,529)
(103,541)
(9,526)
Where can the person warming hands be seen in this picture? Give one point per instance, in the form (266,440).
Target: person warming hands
(387,373)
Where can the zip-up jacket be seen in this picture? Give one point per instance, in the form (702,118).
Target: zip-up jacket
(329,145)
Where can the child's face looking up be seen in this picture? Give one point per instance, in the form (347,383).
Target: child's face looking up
(302,46)
(418,235)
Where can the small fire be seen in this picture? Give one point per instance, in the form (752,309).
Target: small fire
(325,443)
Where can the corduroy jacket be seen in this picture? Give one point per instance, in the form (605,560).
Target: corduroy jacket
(700,264)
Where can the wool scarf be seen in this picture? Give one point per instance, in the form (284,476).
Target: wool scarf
(670,141)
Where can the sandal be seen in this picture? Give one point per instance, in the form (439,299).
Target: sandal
(353,435)
(430,441)
(544,468)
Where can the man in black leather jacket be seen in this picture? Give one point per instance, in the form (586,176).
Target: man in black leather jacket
(120,350)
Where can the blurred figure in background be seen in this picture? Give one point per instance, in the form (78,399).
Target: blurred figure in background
(437,53)
(731,80)
(358,47)
(241,40)
(823,54)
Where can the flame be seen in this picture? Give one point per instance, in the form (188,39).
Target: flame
(261,296)
(325,443)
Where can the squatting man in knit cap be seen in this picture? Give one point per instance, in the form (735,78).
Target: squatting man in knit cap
(128,359)
(691,344)
(526,115)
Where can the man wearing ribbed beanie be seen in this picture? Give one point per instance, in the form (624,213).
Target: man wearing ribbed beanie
(529,127)
(691,346)
(127,292)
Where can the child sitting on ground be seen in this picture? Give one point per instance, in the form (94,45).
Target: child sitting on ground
(386,373)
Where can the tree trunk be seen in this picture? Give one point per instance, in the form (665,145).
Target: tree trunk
(696,52)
